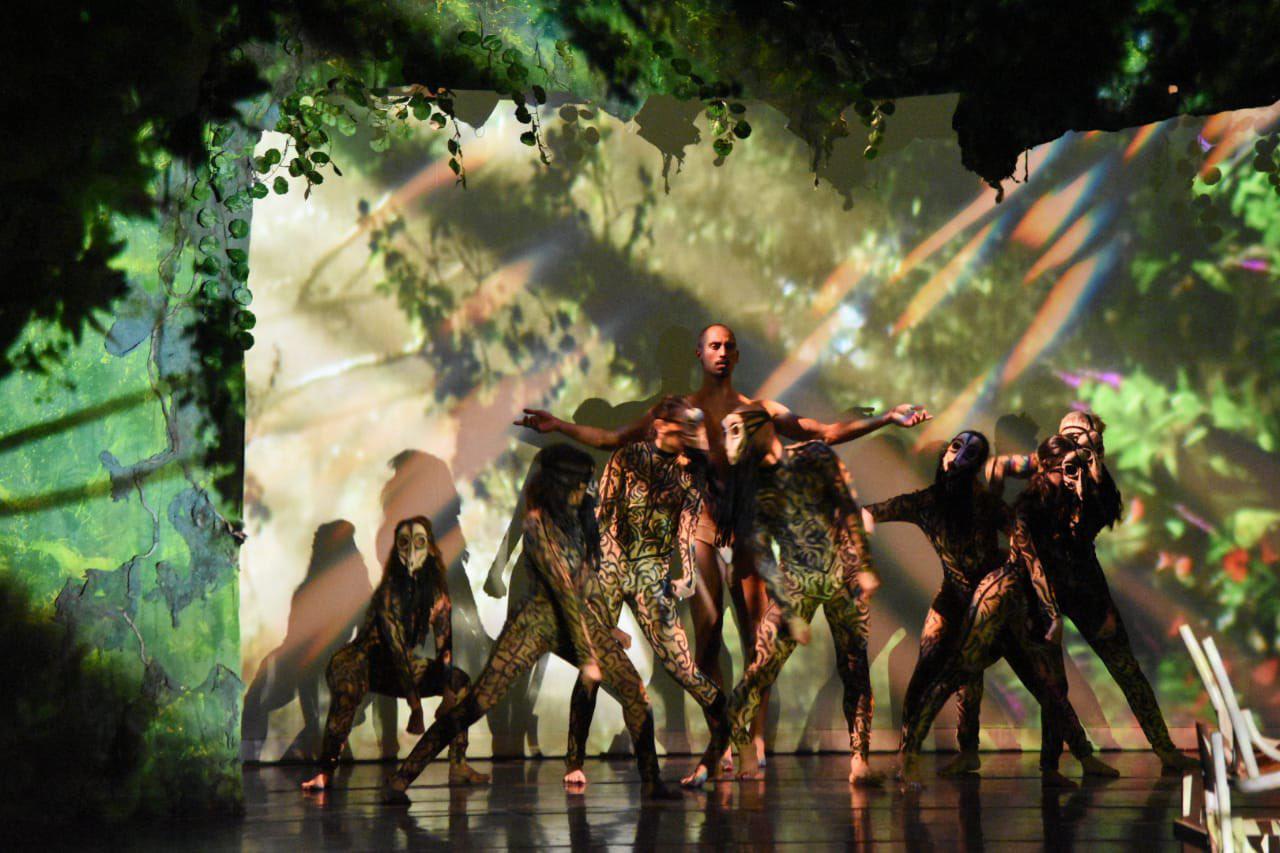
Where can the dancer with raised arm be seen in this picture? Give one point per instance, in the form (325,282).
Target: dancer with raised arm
(650,501)
(717,354)
(1002,622)
(801,497)
(562,550)
(412,597)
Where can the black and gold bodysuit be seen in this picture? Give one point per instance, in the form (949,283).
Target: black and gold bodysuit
(380,659)
(805,504)
(1002,621)
(968,546)
(650,502)
(555,618)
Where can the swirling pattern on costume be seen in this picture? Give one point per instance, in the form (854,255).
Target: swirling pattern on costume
(650,502)
(1002,623)
(554,618)
(806,505)
(380,660)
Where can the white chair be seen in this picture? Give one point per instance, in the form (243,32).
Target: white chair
(1224,832)
(1210,684)
(1243,729)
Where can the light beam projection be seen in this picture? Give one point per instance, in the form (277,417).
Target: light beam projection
(1063,305)
(1066,247)
(1050,213)
(936,289)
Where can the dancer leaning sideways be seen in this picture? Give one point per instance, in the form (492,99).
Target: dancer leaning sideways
(562,551)
(963,521)
(717,353)
(412,597)
(650,500)
(1012,611)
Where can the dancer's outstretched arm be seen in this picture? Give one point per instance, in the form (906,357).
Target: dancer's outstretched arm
(541,420)
(548,559)
(793,426)
(690,512)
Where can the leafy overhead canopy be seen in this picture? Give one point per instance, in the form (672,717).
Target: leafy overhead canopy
(107,92)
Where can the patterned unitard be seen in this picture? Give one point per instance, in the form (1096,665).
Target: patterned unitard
(805,505)
(380,658)
(555,617)
(650,503)
(1080,587)
(1001,622)
(968,546)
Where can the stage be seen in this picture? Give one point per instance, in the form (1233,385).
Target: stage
(804,803)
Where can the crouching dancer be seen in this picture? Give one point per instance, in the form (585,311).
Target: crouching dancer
(801,498)
(412,597)
(562,550)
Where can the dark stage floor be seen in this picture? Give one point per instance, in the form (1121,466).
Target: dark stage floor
(805,803)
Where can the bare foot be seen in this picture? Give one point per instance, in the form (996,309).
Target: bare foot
(726,761)
(1176,763)
(318,782)
(758,743)
(861,774)
(575,780)
(749,765)
(393,796)
(1055,779)
(1093,766)
(964,762)
(697,778)
(465,774)
(909,773)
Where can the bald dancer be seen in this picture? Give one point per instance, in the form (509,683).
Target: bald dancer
(717,354)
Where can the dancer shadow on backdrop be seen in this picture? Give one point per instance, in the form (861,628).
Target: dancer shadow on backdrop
(326,607)
(513,721)
(422,484)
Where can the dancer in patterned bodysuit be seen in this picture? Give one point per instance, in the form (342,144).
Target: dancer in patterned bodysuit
(412,597)
(650,501)
(801,498)
(1080,587)
(1001,621)
(962,520)
(562,550)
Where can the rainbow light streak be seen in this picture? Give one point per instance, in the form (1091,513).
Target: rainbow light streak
(1072,291)
(936,289)
(1051,211)
(1144,135)
(1070,243)
(1232,132)
(984,204)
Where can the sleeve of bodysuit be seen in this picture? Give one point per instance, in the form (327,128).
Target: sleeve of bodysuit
(908,508)
(1024,544)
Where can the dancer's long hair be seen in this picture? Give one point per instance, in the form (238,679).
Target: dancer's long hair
(431,584)
(557,469)
(957,492)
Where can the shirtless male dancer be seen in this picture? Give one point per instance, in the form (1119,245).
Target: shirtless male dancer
(717,353)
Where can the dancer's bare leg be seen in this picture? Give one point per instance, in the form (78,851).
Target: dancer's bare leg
(707,606)
(750,600)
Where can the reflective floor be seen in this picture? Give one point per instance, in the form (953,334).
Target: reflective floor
(804,803)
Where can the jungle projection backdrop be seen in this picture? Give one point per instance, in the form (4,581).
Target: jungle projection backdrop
(405,321)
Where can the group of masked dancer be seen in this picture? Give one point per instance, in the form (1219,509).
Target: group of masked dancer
(711,478)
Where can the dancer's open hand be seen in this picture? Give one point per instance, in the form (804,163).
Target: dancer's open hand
(908,415)
(868,583)
(868,523)
(538,420)
(416,726)
(682,589)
